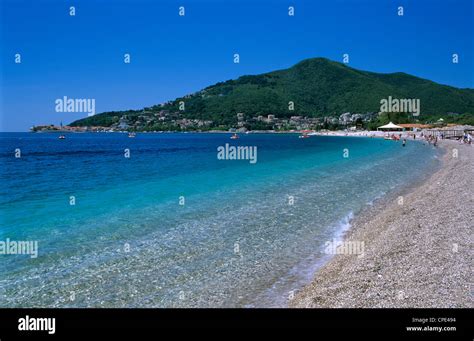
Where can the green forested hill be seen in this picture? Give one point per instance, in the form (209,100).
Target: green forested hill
(318,87)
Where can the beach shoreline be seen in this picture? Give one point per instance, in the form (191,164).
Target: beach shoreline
(417,246)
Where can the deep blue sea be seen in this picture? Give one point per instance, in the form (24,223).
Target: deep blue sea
(174,226)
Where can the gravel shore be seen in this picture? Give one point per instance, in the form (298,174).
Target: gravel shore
(417,247)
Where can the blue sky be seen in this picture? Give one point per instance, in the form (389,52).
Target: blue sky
(82,56)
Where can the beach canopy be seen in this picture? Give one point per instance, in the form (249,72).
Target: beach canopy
(390,126)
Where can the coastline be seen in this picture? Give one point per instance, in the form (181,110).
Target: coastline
(417,254)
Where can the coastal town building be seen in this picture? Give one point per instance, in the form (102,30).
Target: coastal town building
(415,126)
(157,119)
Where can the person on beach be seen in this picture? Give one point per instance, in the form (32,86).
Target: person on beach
(404,142)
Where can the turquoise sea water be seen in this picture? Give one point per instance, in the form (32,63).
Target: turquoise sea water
(237,241)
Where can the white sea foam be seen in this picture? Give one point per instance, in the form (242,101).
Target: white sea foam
(303,272)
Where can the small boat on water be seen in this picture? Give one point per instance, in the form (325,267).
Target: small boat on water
(234,137)
(131,135)
(61,137)
(304,134)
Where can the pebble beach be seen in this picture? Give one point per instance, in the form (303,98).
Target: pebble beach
(418,247)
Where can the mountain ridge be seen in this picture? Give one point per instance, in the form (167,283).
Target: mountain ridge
(317,87)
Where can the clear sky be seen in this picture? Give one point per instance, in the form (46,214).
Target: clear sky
(81,56)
